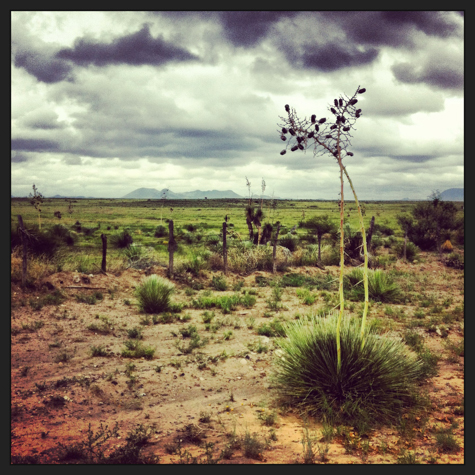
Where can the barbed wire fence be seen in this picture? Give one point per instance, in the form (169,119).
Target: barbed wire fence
(95,243)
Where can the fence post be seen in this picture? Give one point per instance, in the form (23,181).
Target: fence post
(405,243)
(275,248)
(25,251)
(171,249)
(225,251)
(104,252)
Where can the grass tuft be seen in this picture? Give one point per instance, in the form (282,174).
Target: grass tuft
(153,294)
(374,384)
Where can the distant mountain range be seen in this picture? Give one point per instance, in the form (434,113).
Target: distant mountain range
(452,194)
(153,194)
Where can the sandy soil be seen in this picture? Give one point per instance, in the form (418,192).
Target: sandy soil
(54,401)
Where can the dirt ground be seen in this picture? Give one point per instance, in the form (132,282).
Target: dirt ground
(55,398)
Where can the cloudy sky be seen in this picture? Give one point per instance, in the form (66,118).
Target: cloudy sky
(107,102)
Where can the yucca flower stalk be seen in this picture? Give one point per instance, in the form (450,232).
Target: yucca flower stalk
(333,137)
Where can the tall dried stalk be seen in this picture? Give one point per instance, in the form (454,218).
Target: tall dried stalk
(332,137)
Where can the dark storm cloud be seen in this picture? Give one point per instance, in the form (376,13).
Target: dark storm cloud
(247,28)
(391,28)
(44,67)
(34,145)
(335,56)
(19,158)
(430,22)
(135,49)
(413,158)
(341,39)
(444,76)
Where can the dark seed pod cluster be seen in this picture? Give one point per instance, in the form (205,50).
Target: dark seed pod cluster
(328,136)
(358,111)
(350,154)
(284,130)
(333,110)
(333,127)
(353,102)
(335,102)
(300,146)
(299,139)
(346,129)
(322,121)
(287,108)
(283,152)
(283,138)
(362,90)
(340,102)
(313,118)
(317,128)
(310,135)
(295,147)
(291,132)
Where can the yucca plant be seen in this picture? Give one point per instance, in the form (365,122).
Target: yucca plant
(153,294)
(381,287)
(332,137)
(374,383)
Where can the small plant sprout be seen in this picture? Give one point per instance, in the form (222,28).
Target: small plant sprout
(36,200)
(331,137)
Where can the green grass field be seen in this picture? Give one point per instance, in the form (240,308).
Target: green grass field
(92,217)
(144,216)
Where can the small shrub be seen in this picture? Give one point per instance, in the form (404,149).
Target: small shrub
(447,246)
(153,294)
(271,329)
(411,250)
(122,240)
(135,349)
(455,260)
(135,332)
(252,446)
(98,351)
(289,241)
(447,443)
(161,231)
(219,283)
(63,357)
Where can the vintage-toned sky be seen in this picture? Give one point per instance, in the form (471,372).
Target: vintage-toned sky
(107,102)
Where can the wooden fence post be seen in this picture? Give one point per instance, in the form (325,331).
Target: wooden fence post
(275,249)
(171,249)
(104,252)
(24,269)
(225,251)
(405,243)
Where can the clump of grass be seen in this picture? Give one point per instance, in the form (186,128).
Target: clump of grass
(271,329)
(63,357)
(98,351)
(306,297)
(136,349)
(89,299)
(381,286)
(252,446)
(219,283)
(375,382)
(135,332)
(153,294)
